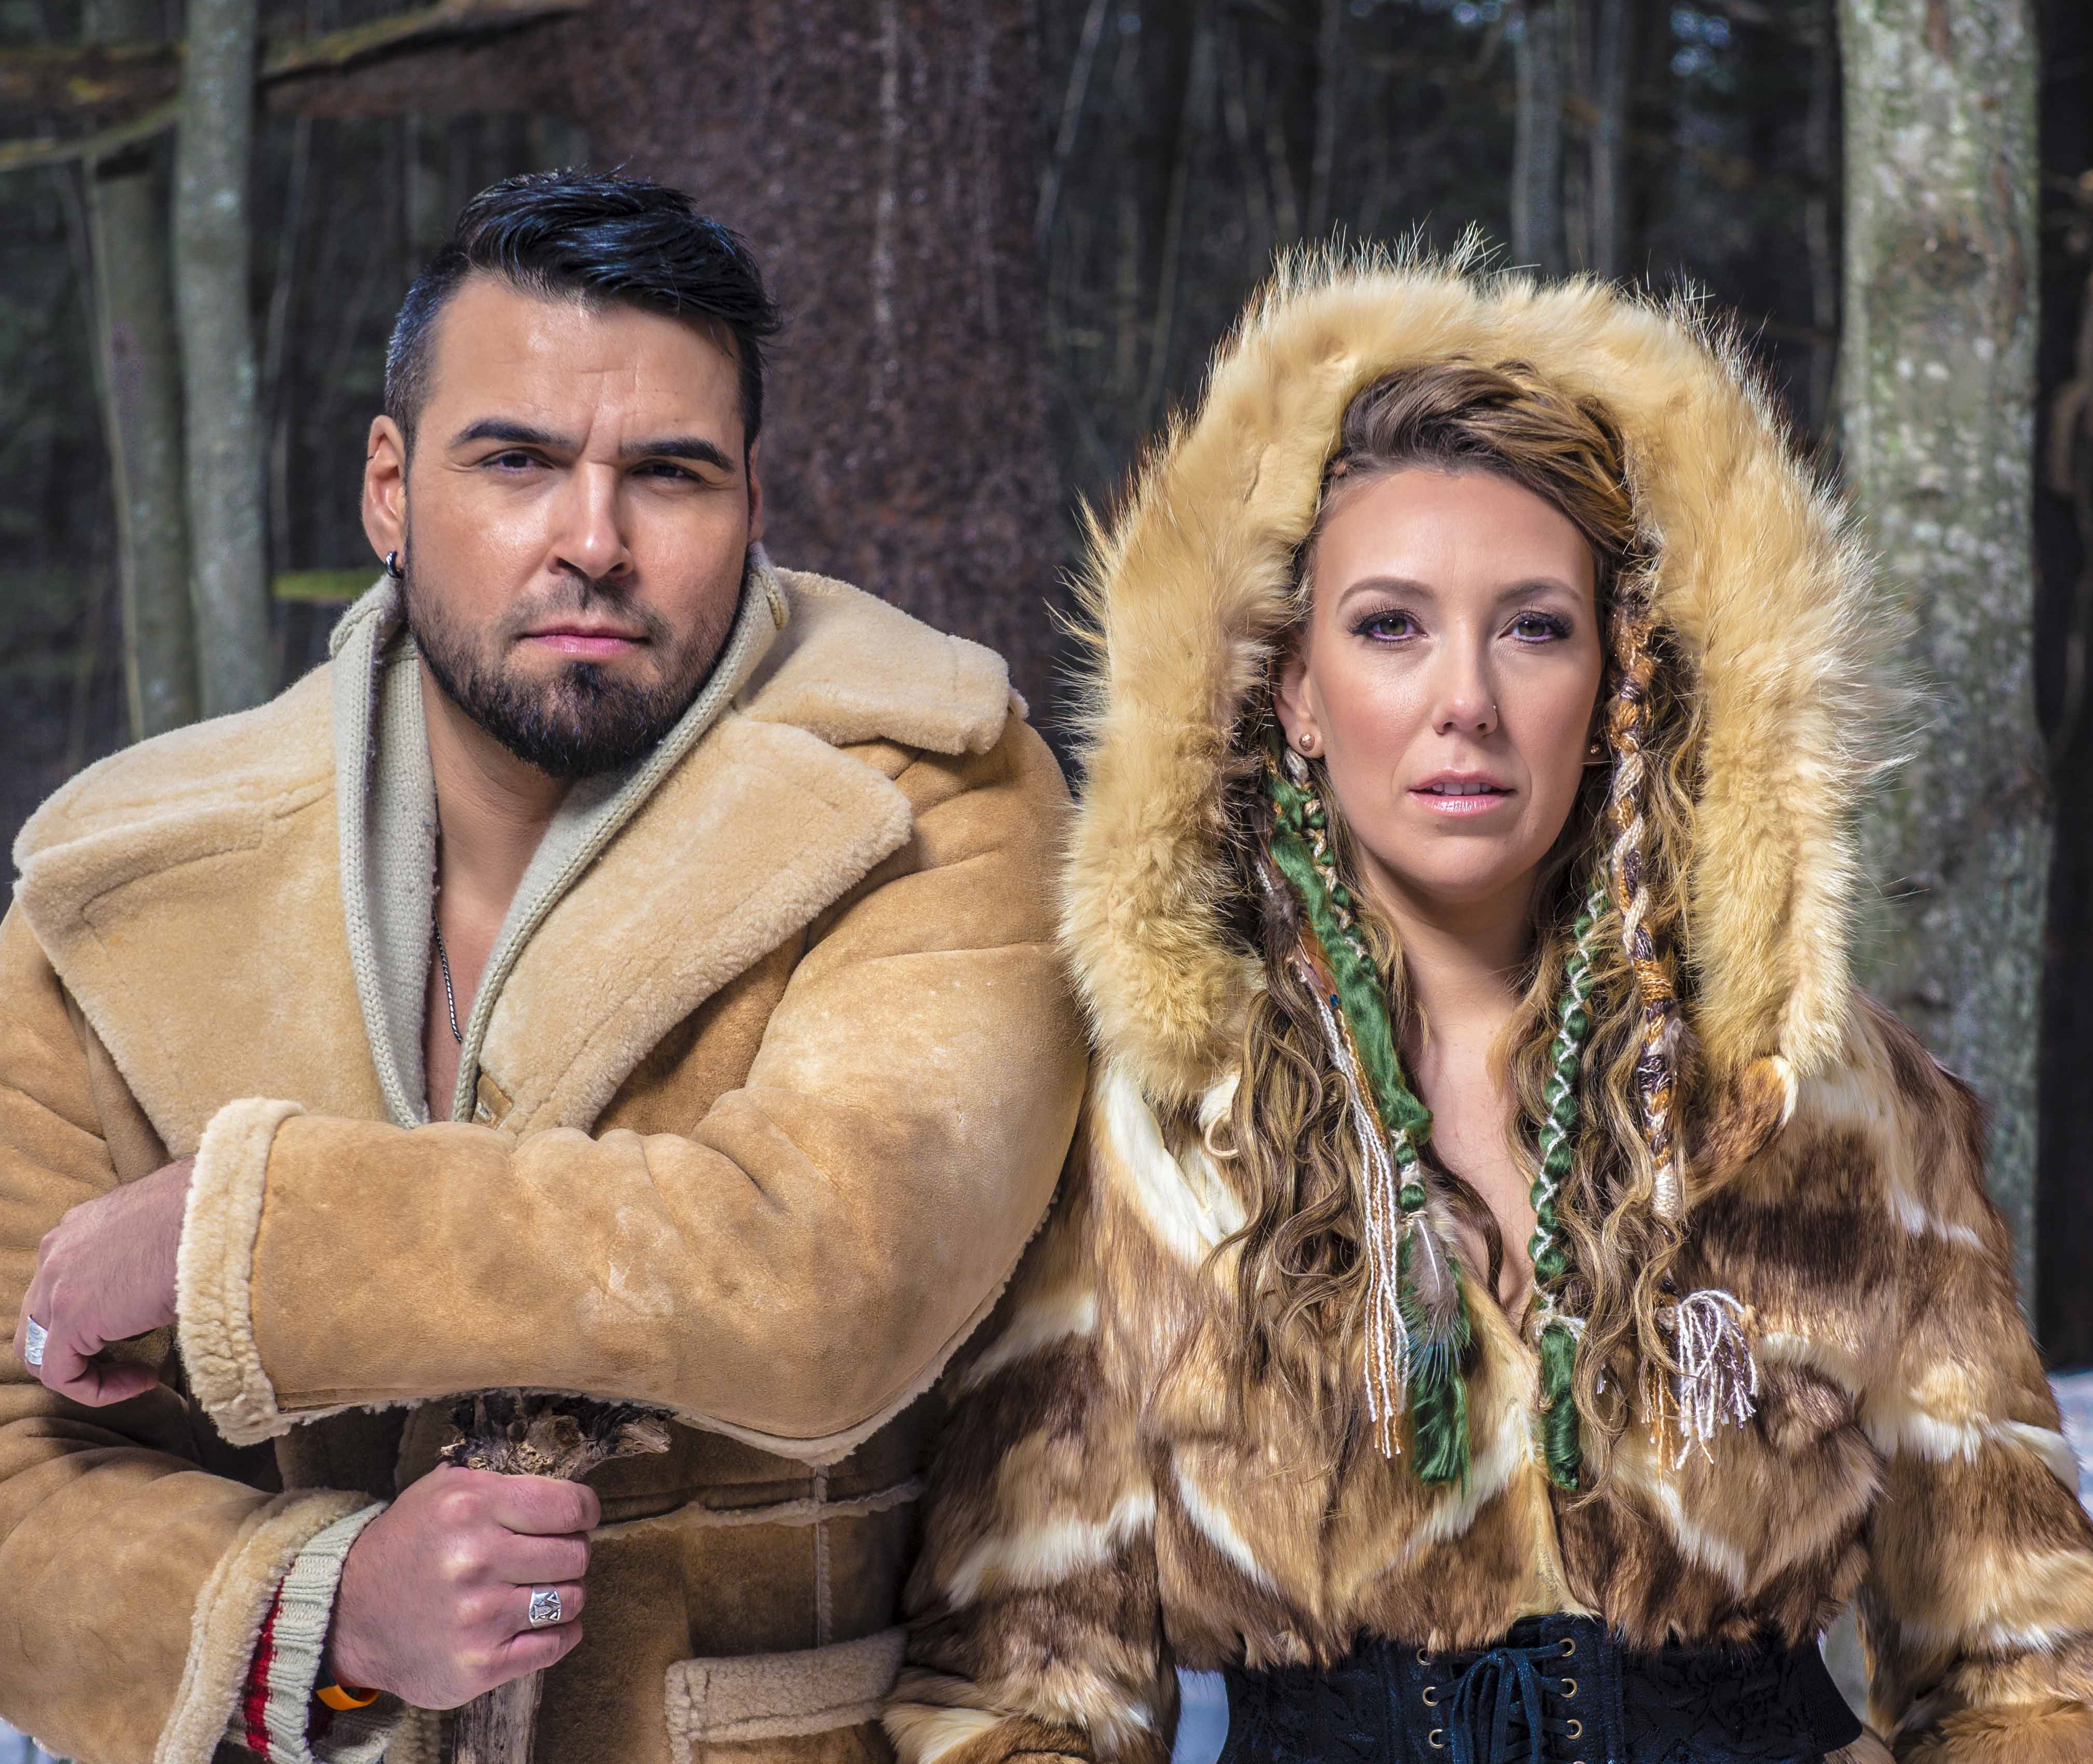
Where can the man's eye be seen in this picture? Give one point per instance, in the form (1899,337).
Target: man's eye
(514,460)
(663,469)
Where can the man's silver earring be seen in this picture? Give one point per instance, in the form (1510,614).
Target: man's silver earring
(393,567)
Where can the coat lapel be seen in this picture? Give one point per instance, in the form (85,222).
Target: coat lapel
(187,891)
(762,826)
(200,929)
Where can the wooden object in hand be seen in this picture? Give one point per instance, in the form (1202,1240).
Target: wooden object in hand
(516,1434)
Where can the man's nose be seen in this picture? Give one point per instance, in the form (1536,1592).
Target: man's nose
(588,533)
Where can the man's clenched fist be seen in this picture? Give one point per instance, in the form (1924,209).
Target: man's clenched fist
(434,1595)
(105,1272)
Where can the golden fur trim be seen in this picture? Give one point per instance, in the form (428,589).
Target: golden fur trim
(214,1270)
(227,1621)
(1757,574)
(778,1696)
(924,1733)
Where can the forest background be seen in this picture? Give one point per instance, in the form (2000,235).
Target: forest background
(1008,234)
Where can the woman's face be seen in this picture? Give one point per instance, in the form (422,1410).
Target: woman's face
(1447,675)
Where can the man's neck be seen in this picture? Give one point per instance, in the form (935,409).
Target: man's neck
(492,809)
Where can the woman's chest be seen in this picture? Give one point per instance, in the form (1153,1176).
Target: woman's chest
(1282,1534)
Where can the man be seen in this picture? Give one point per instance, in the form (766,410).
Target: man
(626,970)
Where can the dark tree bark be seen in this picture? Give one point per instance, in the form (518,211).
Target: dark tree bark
(236,661)
(1936,386)
(141,405)
(882,159)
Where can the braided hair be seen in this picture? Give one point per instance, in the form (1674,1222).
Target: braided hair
(1597,1062)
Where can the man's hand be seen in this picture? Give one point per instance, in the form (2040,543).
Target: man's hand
(104,1272)
(436,1594)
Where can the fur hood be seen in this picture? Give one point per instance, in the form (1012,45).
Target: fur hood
(1758,576)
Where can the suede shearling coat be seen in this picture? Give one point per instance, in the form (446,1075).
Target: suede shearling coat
(1104,1510)
(754,1129)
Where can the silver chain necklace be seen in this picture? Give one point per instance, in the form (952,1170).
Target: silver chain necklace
(450,998)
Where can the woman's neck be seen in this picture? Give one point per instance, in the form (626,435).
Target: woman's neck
(1462,959)
(1462,963)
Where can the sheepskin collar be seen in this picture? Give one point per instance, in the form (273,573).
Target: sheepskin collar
(213,850)
(1758,576)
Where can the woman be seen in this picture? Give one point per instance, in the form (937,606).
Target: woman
(1512,1293)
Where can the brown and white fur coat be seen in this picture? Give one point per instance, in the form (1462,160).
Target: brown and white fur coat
(1104,1511)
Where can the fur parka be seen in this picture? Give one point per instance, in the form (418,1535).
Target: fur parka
(1105,1510)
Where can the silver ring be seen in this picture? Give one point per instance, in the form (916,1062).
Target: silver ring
(34,1335)
(544,1606)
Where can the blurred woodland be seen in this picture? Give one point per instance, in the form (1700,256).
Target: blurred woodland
(1008,234)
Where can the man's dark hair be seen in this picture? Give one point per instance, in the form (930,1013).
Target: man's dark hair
(599,238)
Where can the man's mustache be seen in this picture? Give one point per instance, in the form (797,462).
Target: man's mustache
(578,594)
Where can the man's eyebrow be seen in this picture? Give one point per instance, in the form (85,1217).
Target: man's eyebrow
(521,434)
(679,447)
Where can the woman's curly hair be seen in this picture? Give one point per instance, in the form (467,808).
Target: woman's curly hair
(1302,1276)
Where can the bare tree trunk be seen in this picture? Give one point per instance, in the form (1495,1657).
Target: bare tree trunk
(1606,206)
(141,407)
(1936,386)
(1536,169)
(905,446)
(1329,87)
(223,435)
(1819,226)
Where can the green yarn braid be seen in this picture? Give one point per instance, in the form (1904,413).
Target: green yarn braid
(1301,847)
(1551,1255)
(1429,1296)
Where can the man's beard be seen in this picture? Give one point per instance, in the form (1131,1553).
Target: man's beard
(582,719)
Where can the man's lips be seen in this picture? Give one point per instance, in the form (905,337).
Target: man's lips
(585,642)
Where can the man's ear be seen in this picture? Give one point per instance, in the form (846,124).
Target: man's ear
(755,491)
(385,487)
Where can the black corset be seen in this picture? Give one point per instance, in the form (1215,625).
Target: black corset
(1556,1690)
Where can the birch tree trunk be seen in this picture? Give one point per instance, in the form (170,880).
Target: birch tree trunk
(1537,236)
(226,496)
(1936,389)
(141,406)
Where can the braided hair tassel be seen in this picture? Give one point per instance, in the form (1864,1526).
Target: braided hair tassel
(1717,1380)
(1560,1445)
(1417,1330)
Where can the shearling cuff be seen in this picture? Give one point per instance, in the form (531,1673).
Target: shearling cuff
(230,1611)
(751,1697)
(214,1270)
(277,1720)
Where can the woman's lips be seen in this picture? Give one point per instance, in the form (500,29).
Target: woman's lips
(1460,802)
